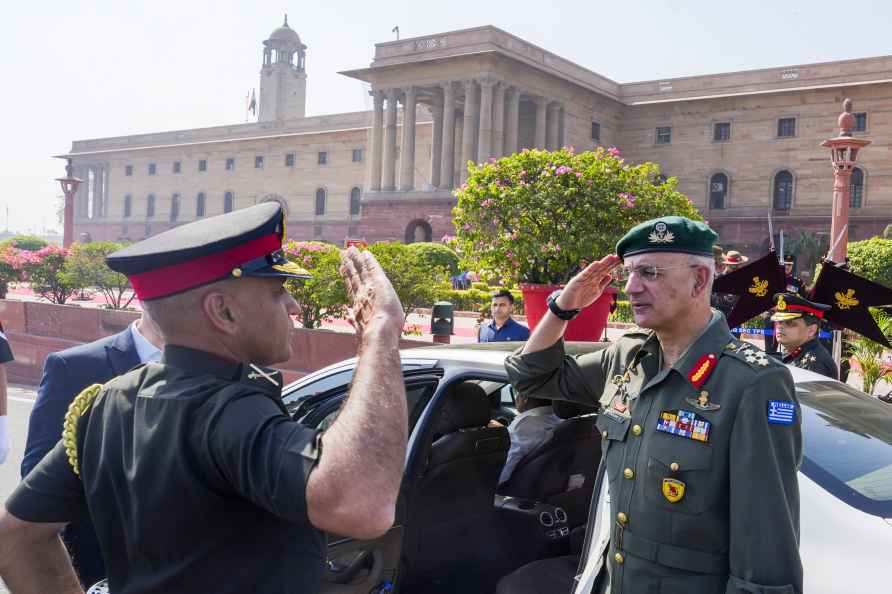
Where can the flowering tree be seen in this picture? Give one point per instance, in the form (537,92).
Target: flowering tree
(323,295)
(86,267)
(45,271)
(11,264)
(535,216)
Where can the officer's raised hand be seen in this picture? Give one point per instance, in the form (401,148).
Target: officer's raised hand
(371,293)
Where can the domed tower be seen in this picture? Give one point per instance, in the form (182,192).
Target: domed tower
(283,78)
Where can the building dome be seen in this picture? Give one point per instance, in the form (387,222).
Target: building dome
(286,34)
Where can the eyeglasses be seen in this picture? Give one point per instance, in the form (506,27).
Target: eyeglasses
(645,272)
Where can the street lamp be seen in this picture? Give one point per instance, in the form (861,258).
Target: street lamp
(843,153)
(69,185)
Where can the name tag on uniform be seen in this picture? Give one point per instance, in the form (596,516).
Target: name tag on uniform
(684,423)
(781,412)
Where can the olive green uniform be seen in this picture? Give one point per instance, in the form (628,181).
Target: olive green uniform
(701,460)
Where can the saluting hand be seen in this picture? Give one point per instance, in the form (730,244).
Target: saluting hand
(372,298)
(588,284)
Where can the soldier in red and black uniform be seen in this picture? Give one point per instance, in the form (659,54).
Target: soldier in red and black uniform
(797,323)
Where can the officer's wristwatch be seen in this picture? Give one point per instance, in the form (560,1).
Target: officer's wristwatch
(564,314)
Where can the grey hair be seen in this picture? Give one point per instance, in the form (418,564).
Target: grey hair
(706,262)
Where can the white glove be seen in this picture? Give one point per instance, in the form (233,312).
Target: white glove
(4,440)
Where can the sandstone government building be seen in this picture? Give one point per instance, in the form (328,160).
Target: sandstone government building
(741,144)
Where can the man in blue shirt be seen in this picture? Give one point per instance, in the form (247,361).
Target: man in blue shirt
(502,327)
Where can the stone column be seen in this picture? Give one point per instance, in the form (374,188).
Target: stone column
(407,153)
(551,127)
(498,123)
(97,192)
(484,137)
(512,120)
(562,127)
(437,140)
(469,136)
(376,141)
(388,176)
(448,166)
(539,138)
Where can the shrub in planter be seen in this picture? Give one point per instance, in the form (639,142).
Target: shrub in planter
(323,295)
(872,259)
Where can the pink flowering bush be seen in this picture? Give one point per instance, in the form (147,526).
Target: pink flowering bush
(47,274)
(535,216)
(11,267)
(323,296)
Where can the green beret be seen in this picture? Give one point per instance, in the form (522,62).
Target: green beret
(668,234)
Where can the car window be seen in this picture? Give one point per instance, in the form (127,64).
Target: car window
(339,377)
(417,395)
(847,444)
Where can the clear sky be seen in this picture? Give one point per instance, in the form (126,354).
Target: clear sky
(94,68)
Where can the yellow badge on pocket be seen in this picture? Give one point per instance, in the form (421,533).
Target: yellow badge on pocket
(673,490)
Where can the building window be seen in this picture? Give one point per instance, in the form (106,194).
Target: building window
(151,169)
(228,201)
(664,135)
(718,191)
(861,122)
(174,207)
(323,158)
(596,132)
(357,155)
(199,205)
(355,197)
(856,188)
(230,164)
(258,162)
(150,206)
(202,165)
(786,127)
(128,206)
(721,132)
(289,160)
(128,170)
(320,202)
(177,166)
(783,190)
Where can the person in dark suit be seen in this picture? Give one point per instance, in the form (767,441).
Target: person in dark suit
(65,375)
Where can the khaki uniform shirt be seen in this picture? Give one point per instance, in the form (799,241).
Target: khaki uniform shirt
(701,460)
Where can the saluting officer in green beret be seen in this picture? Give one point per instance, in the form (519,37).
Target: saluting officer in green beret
(700,432)
(195,476)
(797,322)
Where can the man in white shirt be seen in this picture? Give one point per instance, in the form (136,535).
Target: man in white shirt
(528,429)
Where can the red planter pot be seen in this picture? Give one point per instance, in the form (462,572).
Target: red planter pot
(589,325)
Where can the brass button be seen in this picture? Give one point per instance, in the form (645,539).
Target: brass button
(674,467)
(619,558)
(628,473)
(636,429)
(622,518)
(604,435)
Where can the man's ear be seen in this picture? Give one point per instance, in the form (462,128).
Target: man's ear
(217,307)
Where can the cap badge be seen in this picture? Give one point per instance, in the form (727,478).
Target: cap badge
(661,234)
(673,490)
(846,300)
(759,288)
(781,304)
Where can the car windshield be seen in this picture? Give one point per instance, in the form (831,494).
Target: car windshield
(847,444)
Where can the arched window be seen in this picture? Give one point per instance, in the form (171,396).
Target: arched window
(856,188)
(718,191)
(150,206)
(320,201)
(174,207)
(128,206)
(355,196)
(228,201)
(783,190)
(199,205)
(418,230)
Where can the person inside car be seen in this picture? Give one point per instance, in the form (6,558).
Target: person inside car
(531,427)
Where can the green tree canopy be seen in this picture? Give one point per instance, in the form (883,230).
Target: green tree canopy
(85,266)
(415,282)
(435,255)
(324,294)
(872,259)
(30,243)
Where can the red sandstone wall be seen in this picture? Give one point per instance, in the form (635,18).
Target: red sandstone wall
(37,329)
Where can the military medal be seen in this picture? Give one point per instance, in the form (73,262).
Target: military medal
(702,402)
(673,490)
(684,423)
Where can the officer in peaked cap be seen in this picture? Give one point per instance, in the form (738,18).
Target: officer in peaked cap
(797,323)
(195,476)
(700,432)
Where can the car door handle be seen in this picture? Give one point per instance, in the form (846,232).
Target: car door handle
(345,569)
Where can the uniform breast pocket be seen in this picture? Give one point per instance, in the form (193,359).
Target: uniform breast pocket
(613,428)
(678,474)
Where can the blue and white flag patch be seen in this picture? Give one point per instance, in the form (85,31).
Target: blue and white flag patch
(781,412)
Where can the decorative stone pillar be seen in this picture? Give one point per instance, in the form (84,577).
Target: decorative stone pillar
(407,153)
(551,126)
(469,136)
(562,127)
(498,121)
(512,121)
(484,137)
(539,138)
(98,185)
(388,176)
(376,141)
(437,140)
(448,166)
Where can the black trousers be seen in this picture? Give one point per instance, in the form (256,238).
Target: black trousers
(546,576)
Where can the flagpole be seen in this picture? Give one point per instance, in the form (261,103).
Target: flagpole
(842,234)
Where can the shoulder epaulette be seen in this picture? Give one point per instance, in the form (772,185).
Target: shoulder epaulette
(746,352)
(637,332)
(78,407)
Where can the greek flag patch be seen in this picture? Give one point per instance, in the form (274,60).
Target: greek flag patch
(781,412)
